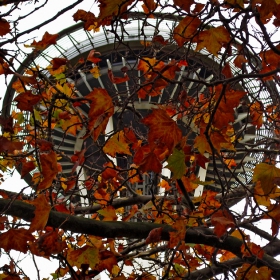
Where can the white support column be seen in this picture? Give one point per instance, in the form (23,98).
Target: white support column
(202,176)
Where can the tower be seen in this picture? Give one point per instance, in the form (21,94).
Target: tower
(146,39)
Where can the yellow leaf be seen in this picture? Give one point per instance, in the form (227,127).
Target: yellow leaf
(266,174)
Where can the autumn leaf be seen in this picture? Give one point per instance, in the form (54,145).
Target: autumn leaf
(162,129)
(248,271)
(256,113)
(89,19)
(186,30)
(154,236)
(47,244)
(201,143)
(108,213)
(109,8)
(49,169)
(117,80)
(42,210)
(176,163)
(95,72)
(117,144)
(7,146)
(222,220)
(273,213)
(91,56)
(184,5)
(178,234)
(251,249)
(27,100)
(150,163)
(212,39)
(259,196)
(266,173)
(16,239)
(47,40)
(85,255)
(101,109)
(4,27)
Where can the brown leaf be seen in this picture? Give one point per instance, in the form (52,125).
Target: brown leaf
(7,146)
(27,100)
(222,220)
(49,169)
(42,211)
(154,236)
(4,27)
(16,239)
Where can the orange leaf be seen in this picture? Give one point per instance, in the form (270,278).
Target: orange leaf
(162,129)
(117,144)
(27,100)
(251,249)
(49,169)
(213,39)
(16,239)
(256,113)
(101,109)
(154,236)
(273,213)
(117,80)
(47,40)
(133,210)
(186,30)
(41,213)
(91,56)
(179,234)
(222,220)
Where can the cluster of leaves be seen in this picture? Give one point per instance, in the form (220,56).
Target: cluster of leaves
(171,230)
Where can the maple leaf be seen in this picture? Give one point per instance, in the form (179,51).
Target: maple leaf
(186,30)
(109,8)
(91,56)
(16,239)
(89,19)
(27,100)
(251,249)
(178,234)
(117,144)
(78,159)
(107,260)
(273,213)
(47,40)
(184,5)
(259,195)
(108,213)
(248,271)
(42,210)
(85,255)
(222,220)
(150,163)
(101,109)
(47,244)
(162,129)
(154,236)
(4,27)
(201,143)
(176,163)
(212,39)
(49,169)
(7,146)
(117,80)
(256,113)
(95,72)
(266,173)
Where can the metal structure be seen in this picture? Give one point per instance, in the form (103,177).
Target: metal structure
(74,43)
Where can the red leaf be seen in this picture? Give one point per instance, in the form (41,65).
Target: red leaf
(47,40)
(7,146)
(27,100)
(154,236)
(117,80)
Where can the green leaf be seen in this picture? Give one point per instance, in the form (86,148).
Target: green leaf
(176,163)
(266,174)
